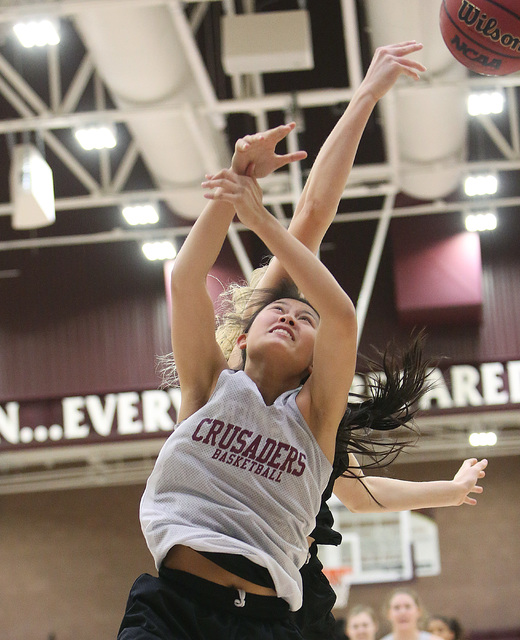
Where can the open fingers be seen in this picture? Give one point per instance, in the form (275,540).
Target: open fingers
(221,193)
(276,134)
(220,186)
(223,173)
(282,131)
(411,64)
(404,48)
(243,144)
(409,67)
(287,158)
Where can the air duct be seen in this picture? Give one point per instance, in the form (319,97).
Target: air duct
(140,54)
(429,120)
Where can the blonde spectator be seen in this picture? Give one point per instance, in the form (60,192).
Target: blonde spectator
(405,612)
(361,623)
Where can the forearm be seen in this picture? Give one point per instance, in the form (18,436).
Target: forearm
(322,193)
(308,273)
(198,358)
(203,244)
(394,495)
(330,171)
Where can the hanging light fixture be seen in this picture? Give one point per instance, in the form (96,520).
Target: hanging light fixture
(96,137)
(481,185)
(159,250)
(144,213)
(37,33)
(483,439)
(481,221)
(486,103)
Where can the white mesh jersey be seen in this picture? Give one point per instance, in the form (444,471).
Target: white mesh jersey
(240,477)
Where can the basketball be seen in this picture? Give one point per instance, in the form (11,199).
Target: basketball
(483,35)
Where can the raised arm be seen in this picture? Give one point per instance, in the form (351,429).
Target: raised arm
(330,171)
(327,179)
(402,495)
(198,358)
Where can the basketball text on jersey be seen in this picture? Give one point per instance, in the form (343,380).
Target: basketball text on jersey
(242,448)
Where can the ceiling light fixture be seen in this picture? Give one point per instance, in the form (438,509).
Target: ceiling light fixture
(485,103)
(96,137)
(480,185)
(37,33)
(159,250)
(141,214)
(483,439)
(481,221)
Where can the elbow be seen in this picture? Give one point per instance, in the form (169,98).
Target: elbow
(349,312)
(365,505)
(182,279)
(346,319)
(354,508)
(358,497)
(362,505)
(177,285)
(312,222)
(312,209)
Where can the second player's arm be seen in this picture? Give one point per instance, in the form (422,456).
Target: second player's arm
(326,182)
(402,495)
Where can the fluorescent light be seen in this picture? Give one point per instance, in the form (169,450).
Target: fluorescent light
(159,250)
(483,439)
(485,102)
(37,33)
(140,214)
(483,221)
(96,137)
(481,185)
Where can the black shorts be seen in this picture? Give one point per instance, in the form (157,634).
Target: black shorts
(315,619)
(180,606)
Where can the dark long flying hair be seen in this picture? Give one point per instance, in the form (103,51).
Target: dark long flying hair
(381,423)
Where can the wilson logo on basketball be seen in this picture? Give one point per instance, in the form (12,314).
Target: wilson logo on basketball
(483,35)
(473,17)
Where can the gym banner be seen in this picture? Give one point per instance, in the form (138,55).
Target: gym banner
(468,387)
(137,415)
(114,417)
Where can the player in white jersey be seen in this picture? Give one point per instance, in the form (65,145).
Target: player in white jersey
(208,586)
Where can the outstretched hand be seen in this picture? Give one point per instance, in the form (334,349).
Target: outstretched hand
(467,477)
(390,62)
(259,149)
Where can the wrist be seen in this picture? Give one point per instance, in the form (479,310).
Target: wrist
(454,492)
(264,224)
(367,95)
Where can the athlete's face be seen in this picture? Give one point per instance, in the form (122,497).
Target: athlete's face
(403,611)
(361,627)
(285,327)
